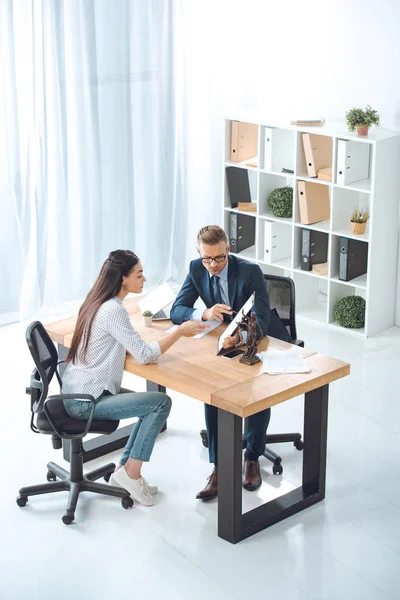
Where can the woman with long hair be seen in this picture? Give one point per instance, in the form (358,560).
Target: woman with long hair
(103,334)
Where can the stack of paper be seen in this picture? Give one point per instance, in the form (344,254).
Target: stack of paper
(276,362)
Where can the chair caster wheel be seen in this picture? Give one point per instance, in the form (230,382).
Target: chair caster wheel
(22,500)
(299,445)
(127,502)
(204,438)
(67,519)
(107,477)
(51,476)
(277,469)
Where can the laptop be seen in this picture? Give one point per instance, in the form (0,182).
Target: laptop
(159,302)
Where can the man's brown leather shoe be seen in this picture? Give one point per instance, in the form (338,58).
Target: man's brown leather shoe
(251,475)
(211,490)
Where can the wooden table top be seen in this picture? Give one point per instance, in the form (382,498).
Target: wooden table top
(192,367)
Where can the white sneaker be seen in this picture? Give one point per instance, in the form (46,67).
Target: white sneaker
(136,487)
(153,489)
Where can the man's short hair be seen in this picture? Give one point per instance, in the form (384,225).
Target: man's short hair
(211,235)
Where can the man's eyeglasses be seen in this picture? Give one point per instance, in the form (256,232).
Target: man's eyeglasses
(217,259)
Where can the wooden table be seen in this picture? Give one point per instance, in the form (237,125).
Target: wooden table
(192,367)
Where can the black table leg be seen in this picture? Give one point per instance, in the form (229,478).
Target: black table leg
(233,526)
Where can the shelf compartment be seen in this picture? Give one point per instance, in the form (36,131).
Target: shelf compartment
(344,202)
(314,152)
(275,269)
(241,230)
(240,186)
(312,203)
(316,251)
(267,184)
(349,256)
(337,291)
(353,164)
(277,149)
(241,143)
(311,297)
(275,243)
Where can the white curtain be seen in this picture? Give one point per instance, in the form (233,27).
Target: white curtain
(112,132)
(92,146)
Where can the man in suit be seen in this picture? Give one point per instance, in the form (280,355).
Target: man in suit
(224,283)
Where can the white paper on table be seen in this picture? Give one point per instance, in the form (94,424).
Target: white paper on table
(211,325)
(234,323)
(278,362)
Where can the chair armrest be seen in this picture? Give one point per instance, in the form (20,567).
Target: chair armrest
(56,400)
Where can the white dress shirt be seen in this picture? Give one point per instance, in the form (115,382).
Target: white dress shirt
(111,336)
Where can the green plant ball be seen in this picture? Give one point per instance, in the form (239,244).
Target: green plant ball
(350,312)
(280,202)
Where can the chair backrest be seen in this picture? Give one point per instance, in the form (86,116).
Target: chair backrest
(45,358)
(282,297)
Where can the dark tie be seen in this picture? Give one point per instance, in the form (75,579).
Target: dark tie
(216,289)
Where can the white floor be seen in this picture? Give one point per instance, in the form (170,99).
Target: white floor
(345,548)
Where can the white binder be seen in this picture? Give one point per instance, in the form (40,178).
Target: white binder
(352,161)
(277,241)
(268,148)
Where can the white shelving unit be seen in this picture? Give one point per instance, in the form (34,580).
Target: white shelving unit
(316,295)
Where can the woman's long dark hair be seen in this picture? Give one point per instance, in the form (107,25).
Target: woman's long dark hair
(107,285)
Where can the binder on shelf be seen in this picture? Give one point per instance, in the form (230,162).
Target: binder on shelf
(277,241)
(353,259)
(242,231)
(238,185)
(243,141)
(314,248)
(317,152)
(268,148)
(352,161)
(313,202)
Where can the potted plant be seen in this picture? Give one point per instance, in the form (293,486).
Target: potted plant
(147,318)
(360,120)
(358,220)
(280,202)
(350,312)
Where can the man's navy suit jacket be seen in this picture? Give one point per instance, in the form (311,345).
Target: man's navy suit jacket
(244,278)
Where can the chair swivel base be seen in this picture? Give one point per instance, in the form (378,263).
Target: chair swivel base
(82,483)
(276,460)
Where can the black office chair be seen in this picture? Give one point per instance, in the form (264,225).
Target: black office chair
(281,294)
(52,419)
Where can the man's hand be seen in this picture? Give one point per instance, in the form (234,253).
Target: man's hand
(230,342)
(216,313)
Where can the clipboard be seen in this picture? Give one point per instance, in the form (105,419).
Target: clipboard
(234,323)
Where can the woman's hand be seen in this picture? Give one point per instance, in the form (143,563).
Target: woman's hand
(191,328)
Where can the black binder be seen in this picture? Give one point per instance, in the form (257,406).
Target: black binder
(353,258)
(242,231)
(314,248)
(238,185)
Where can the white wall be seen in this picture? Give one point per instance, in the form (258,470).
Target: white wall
(298,58)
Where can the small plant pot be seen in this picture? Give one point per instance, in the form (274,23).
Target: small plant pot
(358,228)
(362,131)
(147,321)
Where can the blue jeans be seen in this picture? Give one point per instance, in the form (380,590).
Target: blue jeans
(255,430)
(152,408)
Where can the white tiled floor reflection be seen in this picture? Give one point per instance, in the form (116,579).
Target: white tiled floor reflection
(346,548)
